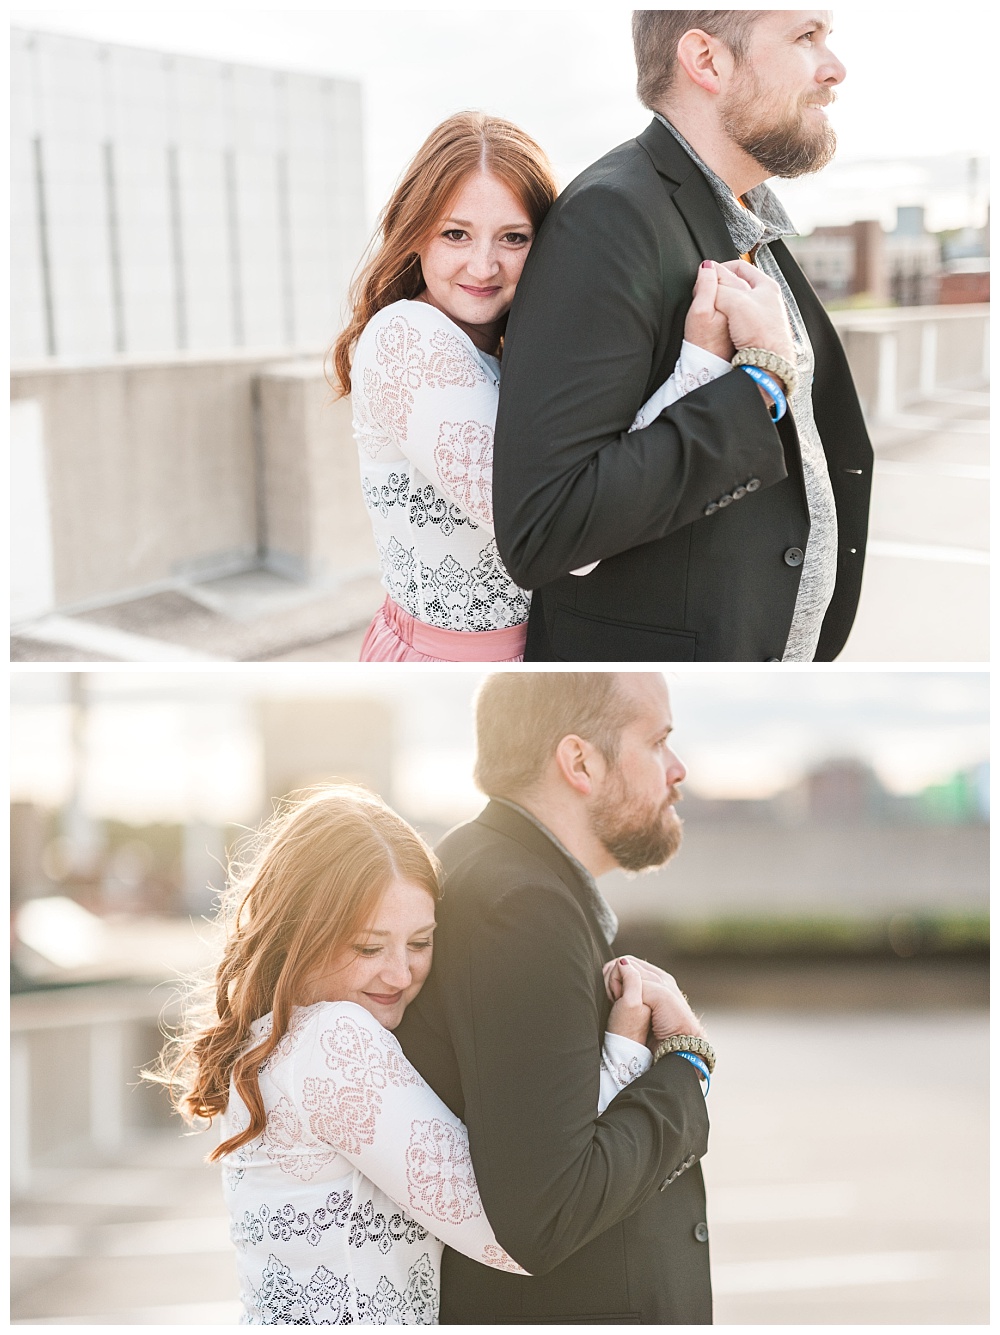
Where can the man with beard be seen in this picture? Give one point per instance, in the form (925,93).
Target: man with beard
(733,525)
(606,1213)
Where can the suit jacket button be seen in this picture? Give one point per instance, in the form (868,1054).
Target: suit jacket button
(725,500)
(739,493)
(753,484)
(701,1232)
(794,556)
(664,1184)
(711,508)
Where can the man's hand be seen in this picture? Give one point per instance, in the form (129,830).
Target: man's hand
(670,1012)
(706,326)
(630,1016)
(753,305)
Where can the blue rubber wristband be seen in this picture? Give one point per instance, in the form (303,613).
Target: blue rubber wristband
(700,1066)
(768,382)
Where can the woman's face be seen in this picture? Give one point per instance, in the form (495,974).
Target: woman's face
(473,261)
(385,966)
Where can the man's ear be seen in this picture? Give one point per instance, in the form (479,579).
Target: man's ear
(699,56)
(575,762)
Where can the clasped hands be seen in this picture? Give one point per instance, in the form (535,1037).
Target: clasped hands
(736,306)
(647,1005)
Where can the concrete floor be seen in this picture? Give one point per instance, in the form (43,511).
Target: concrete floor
(847,1184)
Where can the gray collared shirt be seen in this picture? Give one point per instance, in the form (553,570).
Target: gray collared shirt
(762,221)
(603,912)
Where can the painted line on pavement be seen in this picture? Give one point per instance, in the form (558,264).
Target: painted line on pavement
(906,468)
(764,1203)
(962,426)
(105,640)
(827,1272)
(159,1237)
(916,551)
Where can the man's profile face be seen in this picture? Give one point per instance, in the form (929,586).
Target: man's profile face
(773,107)
(633,814)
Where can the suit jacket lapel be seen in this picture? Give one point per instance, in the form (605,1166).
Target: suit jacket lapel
(692,194)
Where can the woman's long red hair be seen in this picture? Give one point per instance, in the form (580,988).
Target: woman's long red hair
(312,883)
(465,143)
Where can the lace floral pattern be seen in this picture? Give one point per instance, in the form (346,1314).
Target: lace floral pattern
(424,411)
(360,1168)
(284,1143)
(494,1255)
(324,1300)
(451,595)
(439,1172)
(464,456)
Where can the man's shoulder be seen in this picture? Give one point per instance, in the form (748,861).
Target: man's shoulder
(625,170)
(498,855)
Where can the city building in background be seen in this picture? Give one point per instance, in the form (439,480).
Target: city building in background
(909,266)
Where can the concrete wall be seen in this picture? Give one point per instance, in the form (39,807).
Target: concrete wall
(164,202)
(75,1058)
(900,356)
(150,472)
(315,525)
(187,467)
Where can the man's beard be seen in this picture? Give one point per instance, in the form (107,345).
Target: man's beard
(783,147)
(637,837)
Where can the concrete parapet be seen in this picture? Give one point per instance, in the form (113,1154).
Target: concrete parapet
(314,525)
(156,474)
(898,357)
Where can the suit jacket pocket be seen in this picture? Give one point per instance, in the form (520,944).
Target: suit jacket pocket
(578,637)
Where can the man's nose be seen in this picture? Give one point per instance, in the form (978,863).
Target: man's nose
(676,771)
(832,71)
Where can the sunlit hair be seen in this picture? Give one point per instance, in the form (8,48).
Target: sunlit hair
(656,32)
(389,271)
(521,717)
(307,886)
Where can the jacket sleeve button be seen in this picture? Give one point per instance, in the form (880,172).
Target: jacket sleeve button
(739,493)
(725,500)
(794,556)
(753,484)
(711,508)
(701,1232)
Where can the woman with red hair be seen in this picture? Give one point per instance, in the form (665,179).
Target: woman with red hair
(421,358)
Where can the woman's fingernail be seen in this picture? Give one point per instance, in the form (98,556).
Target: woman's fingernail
(623,961)
(707,264)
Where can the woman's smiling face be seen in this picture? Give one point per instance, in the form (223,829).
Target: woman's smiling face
(472,262)
(384,966)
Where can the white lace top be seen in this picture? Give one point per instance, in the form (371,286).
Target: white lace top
(339,1211)
(425,405)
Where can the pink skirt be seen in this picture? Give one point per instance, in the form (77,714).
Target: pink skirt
(396,637)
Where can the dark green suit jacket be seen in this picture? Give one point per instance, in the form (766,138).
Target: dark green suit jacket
(607,1213)
(595,328)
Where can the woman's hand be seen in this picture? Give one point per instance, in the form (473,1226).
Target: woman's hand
(754,307)
(670,1011)
(706,326)
(630,1016)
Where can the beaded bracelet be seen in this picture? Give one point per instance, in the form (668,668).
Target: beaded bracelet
(686,1043)
(786,371)
(780,405)
(700,1066)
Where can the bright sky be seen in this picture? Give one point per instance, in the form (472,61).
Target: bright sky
(183,746)
(915,89)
